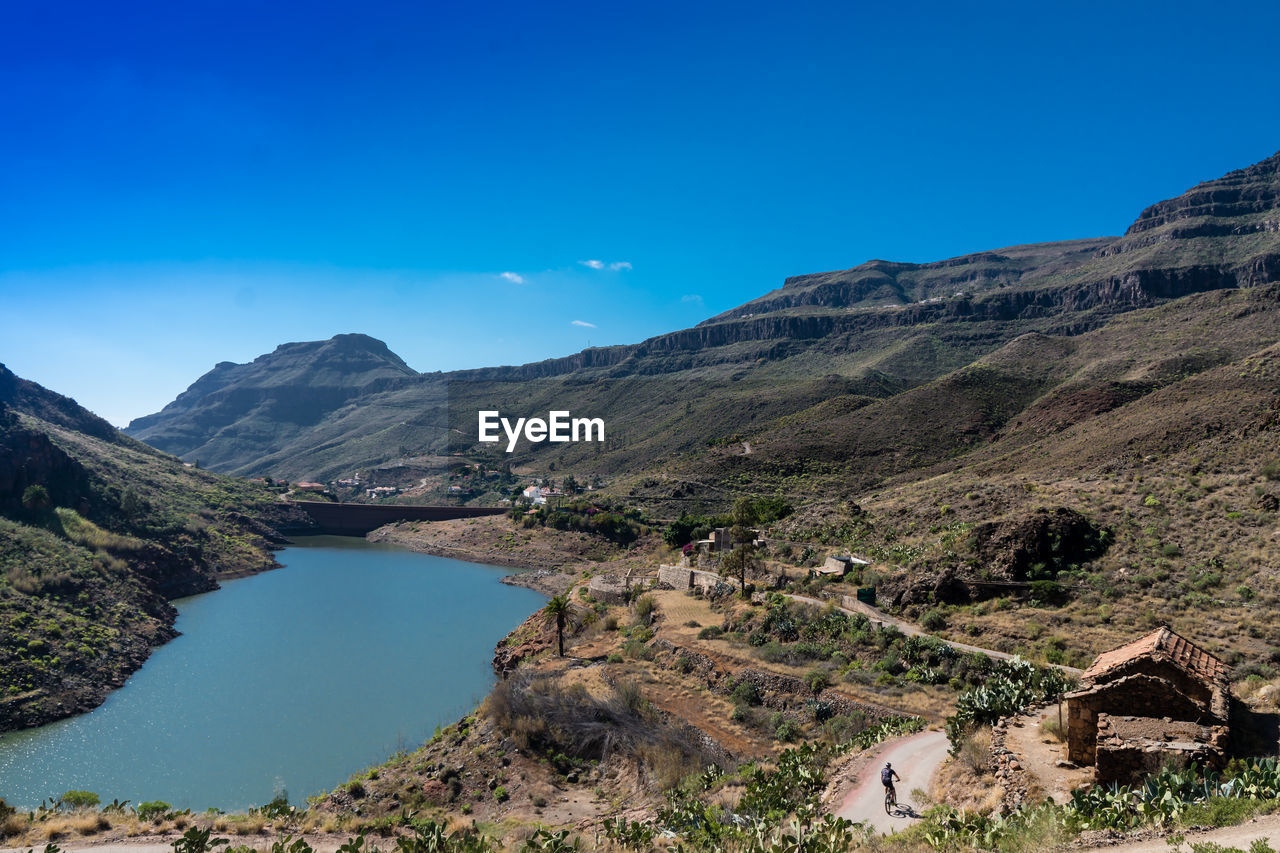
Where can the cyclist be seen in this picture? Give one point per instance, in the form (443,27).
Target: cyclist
(887,775)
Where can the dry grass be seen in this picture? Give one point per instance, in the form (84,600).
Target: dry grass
(965,781)
(1259,694)
(1050,727)
(13,825)
(957,785)
(975,751)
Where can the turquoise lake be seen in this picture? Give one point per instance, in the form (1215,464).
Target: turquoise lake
(289,680)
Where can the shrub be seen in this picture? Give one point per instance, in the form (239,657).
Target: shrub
(1271,470)
(1048,592)
(787,731)
(1052,729)
(710,632)
(817,680)
(153,809)
(80,799)
(637,649)
(745,693)
(36,498)
(645,607)
(500,794)
(684,664)
(933,620)
(614,657)
(975,751)
(842,727)
(547,717)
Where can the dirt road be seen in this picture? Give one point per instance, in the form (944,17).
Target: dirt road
(916,759)
(880,619)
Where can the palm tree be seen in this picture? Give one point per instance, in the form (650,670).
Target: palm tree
(558,610)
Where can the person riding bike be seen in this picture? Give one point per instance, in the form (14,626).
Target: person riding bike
(887,776)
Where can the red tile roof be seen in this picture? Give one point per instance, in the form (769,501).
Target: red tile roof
(1162,642)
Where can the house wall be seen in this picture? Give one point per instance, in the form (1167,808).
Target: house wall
(1138,695)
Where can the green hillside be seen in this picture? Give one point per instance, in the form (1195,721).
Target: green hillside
(97,532)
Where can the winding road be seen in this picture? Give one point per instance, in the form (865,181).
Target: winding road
(916,758)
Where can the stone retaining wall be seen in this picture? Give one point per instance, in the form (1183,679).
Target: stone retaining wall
(1007,766)
(685,578)
(777,691)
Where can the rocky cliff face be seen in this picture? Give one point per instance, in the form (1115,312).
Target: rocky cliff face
(1239,194)
(1243,202)
(886,283)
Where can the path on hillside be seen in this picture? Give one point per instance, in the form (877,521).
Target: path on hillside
(880,619)
(916,758)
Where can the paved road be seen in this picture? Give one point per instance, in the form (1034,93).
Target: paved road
(880,619)
(916,759)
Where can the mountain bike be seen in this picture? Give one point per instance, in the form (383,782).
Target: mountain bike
(890,800)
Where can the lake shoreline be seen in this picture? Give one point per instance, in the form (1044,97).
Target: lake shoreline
(549,561)
(416,609)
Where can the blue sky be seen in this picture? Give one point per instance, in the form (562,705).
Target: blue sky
(186,183)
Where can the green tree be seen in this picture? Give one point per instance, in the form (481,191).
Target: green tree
(36,498)
(557,611)
(744,512)
(130,504)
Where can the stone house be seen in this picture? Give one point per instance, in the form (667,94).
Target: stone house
(1158,698)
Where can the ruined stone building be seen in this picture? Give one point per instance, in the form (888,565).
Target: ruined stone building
(1157,698)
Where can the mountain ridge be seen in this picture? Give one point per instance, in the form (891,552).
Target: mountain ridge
(882,326)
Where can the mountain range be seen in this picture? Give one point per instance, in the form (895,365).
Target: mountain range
(885,340)
(1103,413)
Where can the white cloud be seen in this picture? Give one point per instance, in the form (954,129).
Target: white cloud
(595,265)
(692,297)
(513,277)
(583,323)
(620,265)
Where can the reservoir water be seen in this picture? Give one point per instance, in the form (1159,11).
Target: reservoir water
(289,680)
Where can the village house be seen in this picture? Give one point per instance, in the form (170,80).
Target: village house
(1158,698)
(837,567)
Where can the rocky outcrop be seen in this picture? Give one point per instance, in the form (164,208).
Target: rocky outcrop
(1037,544)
